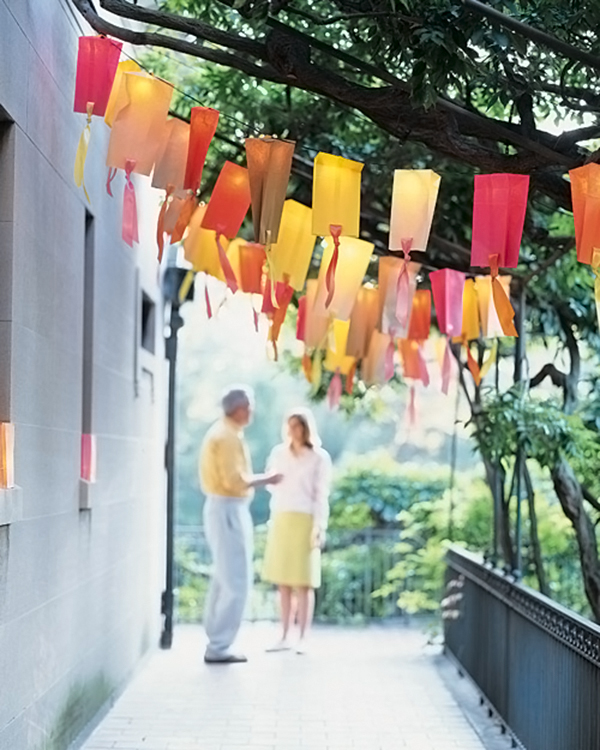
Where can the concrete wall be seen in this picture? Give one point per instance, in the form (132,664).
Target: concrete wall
(79,589)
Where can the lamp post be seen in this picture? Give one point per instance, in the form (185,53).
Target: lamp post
(172,281)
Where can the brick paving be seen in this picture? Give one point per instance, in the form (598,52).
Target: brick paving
(371,689)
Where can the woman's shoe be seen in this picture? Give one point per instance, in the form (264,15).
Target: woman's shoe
(281,645)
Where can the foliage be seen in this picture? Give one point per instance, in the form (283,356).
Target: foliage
(372,490)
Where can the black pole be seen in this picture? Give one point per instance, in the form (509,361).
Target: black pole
(518,378)
(175,323)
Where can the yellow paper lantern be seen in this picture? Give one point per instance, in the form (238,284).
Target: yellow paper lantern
(118,95)
(336,195)
(290,255)
(354,260)
(363,321)
(336,357)
(200,246)
(395,303)
(138,128)
(471,323)
(317,322)
(414,197)
(490,323)
(172,156)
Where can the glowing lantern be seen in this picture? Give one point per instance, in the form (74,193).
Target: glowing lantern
(316,323)
(97,61)
(414,197)
(251,262)
(447,286)
(7,455)
(395,299)
(200,246)
(420,316)
(585,193)
(490,324)
(269,167)
(336,206)
(290,255)
(203,125)
(227,208)
(354,261)
(336,357)
(363,322)
(138,128)
(375,368)
(169,170)
(118,95)
(499,208)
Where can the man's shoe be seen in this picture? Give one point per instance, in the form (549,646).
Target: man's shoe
(225,659)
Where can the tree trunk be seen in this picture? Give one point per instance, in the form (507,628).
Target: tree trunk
(495,477)
(568,491)
(533,533)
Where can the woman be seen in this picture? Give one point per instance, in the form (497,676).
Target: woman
(299,513)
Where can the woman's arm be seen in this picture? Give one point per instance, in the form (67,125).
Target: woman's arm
(321,501)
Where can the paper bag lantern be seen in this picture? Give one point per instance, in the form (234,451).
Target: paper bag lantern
(203,125)
(410,357)
(353,263)
(200,246)
(7,455)
(317,322)
(97,61)
(138,129)
(118,95)
(585,194)
(269,167)
(336,357)
(490,323)
(171,158)
(420,316)
(363,321)
(447,286)
(395,298)
(290,256)
(251,263)
(499,207)
(375,367)
(336,206)
(414,197)
(227,208)
(470,321)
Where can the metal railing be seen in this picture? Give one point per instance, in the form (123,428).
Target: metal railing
(355,564)
(536,662)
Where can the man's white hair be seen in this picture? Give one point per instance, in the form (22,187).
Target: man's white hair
(236,397)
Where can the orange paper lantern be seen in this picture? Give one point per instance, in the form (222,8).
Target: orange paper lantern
(252,259)
(171,158)
(585,194)
(316,321)
(420,316)
(363,322)
(118,94)
(269,167)
(203,125)
(375,367)
(200,246)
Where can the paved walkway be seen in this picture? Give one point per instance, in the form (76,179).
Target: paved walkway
(372,689)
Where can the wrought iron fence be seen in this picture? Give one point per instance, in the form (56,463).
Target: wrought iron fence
(537,663)
(355,565)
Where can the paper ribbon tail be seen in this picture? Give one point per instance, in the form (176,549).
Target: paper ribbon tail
(330,275)
(350,380)
(402,297)
(187,282)
(423,371)
(130,219)
(412,408)
(446,368)
(389,362)
(316,371)
(80,159)
(226,266)
(255,315)
(473,366)
(334,392)
(504,309)
(209,311)
(275,350)
(307,367)
(112,173)
(160,230)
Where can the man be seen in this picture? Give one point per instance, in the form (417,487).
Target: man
(226,479)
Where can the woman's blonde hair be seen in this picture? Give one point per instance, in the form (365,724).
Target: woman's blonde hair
(309,427)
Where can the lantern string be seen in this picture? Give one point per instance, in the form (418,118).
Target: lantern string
(82,149)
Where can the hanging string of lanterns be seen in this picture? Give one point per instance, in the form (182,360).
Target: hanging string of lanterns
(346,326)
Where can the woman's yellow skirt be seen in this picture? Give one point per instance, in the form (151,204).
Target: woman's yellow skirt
(289,558)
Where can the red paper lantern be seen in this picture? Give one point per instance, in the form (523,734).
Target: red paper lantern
(447,286)
(203,124)
(498,217)
(97,61)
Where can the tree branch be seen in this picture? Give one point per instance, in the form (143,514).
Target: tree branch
(549,370)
